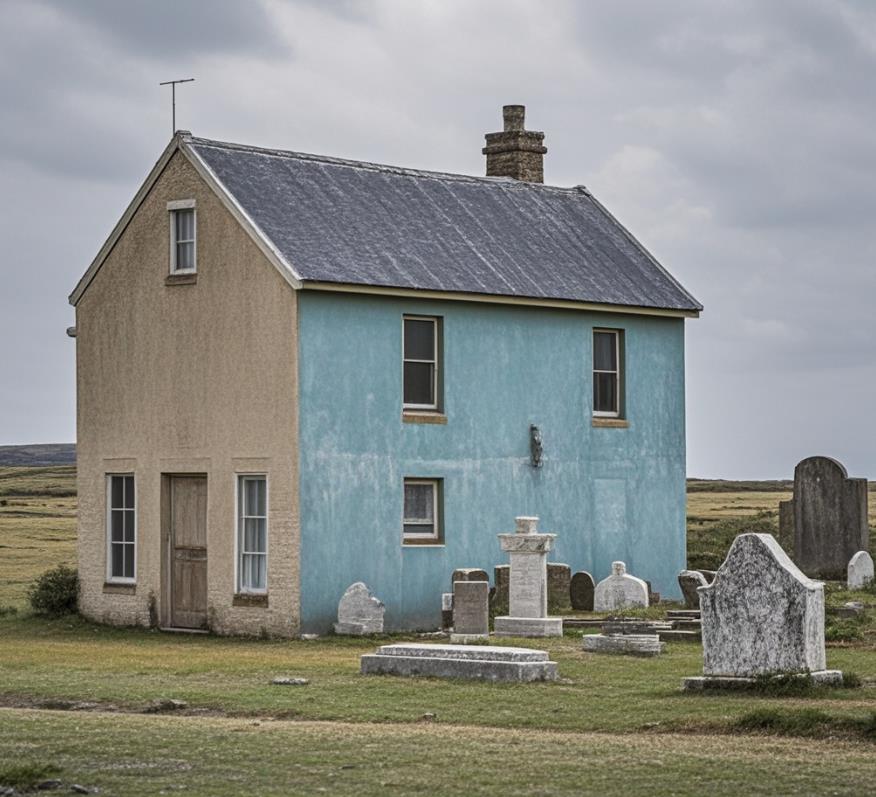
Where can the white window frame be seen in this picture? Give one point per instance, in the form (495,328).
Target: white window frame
(434,362)
(618,375)
(173,207)
(110,578)
(239,479)
(435,535)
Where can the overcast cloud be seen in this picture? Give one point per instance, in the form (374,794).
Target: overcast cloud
(735,139)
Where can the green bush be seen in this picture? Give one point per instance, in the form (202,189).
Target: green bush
(55,592)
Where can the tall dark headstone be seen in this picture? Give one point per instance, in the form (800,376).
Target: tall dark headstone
(502,579)
(471,617)
(830,517)
(559,577)
(581,591)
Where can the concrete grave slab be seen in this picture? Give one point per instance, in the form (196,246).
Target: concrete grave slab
(624,644)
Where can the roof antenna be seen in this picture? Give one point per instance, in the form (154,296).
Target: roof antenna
(172,84)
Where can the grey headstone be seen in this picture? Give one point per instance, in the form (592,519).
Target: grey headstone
(501,579)
(830,517)
(468,574)
(620,591)
(359,612)
(761,614)
(786,524)
(690,581)
(581,590)
(446,610)
(559,578)
(860,570)
(471,616)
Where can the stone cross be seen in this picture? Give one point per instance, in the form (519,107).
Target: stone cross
(860,571)
(359,612)
(620,591)
(527,589)
(471,615)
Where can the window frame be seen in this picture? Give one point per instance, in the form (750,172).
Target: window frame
(239,480)
(110,578)
(618,373)
(175,207)
(436,536)
(435,362)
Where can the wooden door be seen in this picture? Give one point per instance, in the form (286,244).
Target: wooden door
(188,551)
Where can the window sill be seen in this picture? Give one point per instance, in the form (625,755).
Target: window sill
(113,588)
(422,543)
(250,599)
(181,279)
(421,416)
(611,423)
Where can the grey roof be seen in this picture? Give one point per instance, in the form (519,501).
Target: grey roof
(359,223)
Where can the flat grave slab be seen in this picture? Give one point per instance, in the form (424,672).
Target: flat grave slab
(624,644)
(701,683)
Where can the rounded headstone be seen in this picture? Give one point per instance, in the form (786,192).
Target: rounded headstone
(581,590)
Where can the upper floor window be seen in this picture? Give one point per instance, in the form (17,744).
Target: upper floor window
(183,243)
(121,528)
(421,362)
(252,534)
(607,372)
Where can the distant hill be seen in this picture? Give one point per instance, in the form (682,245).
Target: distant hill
(42,454)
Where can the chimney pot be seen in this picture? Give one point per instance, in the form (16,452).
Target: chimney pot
(515,152)
(513,116)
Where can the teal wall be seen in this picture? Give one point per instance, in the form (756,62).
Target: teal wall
(607,493)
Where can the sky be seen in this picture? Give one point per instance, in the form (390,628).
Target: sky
(734,139)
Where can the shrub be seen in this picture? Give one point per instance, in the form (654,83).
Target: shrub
(55,592)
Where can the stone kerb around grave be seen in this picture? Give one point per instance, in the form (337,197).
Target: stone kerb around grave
(761,615)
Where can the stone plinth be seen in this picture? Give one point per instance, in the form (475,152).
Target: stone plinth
(860,570)
(359,612)
(620,591)
(626,644)
(471,616)
(761,615)
(581,589)
(700,683)
(527,588)
(479,662)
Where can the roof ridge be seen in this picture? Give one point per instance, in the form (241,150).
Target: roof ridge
(379,167)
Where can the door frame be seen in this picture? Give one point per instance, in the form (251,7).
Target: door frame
(165,612)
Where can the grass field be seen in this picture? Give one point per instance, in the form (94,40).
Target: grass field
(76,702)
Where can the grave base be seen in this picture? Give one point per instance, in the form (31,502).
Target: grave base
(728,682)
(352,629)
(629,644)
(528,626)
(464,639)
(476,662)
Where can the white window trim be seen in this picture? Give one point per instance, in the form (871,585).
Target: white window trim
(238,586)
(617,372)
(434,362)
(172,207)
(435,535)
(110,578)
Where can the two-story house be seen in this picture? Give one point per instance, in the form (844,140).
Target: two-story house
(295,372)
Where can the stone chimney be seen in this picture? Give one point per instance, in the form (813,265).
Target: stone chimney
(515,152)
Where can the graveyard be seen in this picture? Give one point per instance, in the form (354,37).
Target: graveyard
(184,711)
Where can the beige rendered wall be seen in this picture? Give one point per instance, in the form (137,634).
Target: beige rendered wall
(188,378)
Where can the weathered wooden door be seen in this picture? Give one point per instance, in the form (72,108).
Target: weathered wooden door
(188,551)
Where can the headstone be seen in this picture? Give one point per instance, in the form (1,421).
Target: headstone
(479,662)
(620,591)
(559,578)
(690,581)
(501,579)
(471,614)
(629,644)
(527,593)
(446,611)
(830,517)
(760,616)
(860,570)
(468,574)
(581,590)
(786,524)
(359,612)
(653,597)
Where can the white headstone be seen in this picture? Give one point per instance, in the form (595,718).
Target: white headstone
(761,614)
(860,571)
(359,612)
(619,591)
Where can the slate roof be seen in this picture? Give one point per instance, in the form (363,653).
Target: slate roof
(359,223)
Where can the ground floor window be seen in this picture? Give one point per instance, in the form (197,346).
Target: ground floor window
(121,528)
(252,534)
(422,511)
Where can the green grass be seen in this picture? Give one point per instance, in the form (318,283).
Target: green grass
(26,776)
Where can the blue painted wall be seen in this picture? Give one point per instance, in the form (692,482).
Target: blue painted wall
(607,493)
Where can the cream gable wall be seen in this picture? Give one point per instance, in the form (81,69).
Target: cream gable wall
(188,378)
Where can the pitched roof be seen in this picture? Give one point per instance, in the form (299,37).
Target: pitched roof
(332,222)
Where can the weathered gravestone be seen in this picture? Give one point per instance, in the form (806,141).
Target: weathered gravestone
(499,599)
(619,591)
(690,581)
(359,612)
(527,589)
(468,574)
(471,615)
(446,611)
(581,590)
(559,578)
(829,512)
(761,616)
(860,571)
